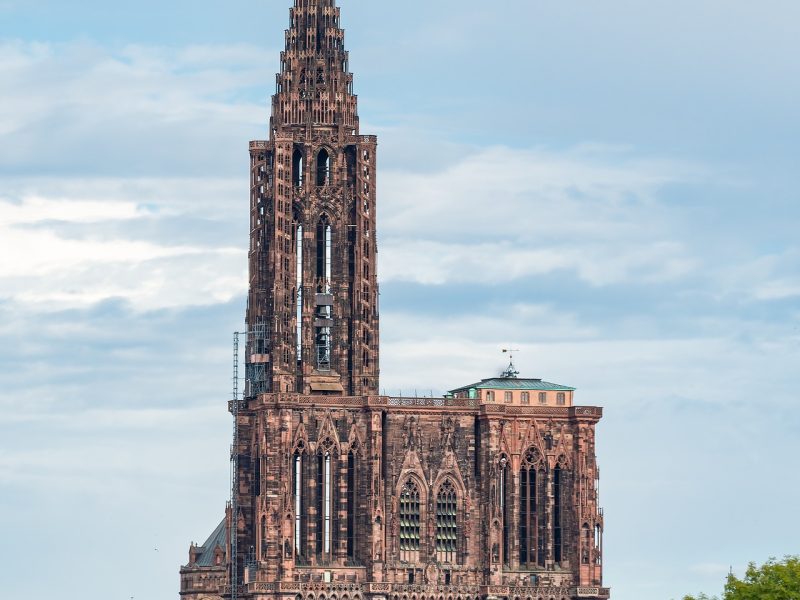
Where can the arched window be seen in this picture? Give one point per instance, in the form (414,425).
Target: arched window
(323,168)
(446,523)
(409,522)
(532,519)
(297,167)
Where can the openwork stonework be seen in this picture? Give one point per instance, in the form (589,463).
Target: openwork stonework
(490,492)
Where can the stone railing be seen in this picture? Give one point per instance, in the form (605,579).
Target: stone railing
(305,587)
(475,404)
(434,402)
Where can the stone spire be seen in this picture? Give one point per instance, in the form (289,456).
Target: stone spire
(315,86)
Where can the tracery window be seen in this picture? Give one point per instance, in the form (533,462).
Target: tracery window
(446,523)
(409,522)
(532,520)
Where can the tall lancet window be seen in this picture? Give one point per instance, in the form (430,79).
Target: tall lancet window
(352,498)
(409,522)
(324,314)
(446,523)
(299,283)
(323,168)
(560,508)
(300,519)
(504,507)
(532,519)
(325,502)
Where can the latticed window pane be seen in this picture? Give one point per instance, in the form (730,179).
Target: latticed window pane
(446,523)
(409,521)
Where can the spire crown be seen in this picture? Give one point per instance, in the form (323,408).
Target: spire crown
(315,86)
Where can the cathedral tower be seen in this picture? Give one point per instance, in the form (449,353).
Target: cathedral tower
(490,492)
(313,304)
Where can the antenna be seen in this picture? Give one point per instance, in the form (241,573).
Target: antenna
(511,371)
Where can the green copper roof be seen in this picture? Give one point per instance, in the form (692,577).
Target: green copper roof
(218,538)
(512,383)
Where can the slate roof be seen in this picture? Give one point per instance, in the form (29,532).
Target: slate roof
(512,383)
(218,538)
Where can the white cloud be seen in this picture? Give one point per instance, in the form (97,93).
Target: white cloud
(501,214)
(82,107)
(54,268)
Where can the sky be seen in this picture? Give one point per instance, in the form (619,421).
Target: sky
(611,187)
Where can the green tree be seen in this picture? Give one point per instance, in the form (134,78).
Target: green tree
(774,580)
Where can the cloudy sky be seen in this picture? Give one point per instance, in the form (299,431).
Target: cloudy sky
(609,186)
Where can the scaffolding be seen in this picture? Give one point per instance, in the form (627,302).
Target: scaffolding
(257,359)
(233,525)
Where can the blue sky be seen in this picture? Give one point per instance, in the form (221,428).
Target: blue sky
(611,187)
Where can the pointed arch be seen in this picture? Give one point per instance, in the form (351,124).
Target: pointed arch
(297,166)
(323,166)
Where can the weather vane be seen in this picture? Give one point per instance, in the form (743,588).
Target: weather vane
(511,371)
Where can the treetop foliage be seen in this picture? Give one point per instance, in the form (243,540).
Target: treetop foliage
(774,580)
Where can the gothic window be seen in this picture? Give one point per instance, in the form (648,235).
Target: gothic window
(560,509)
(532,520)
(526,397)
(542,397)
(300,523)
(598,545)
(299,281)
(323,168)
(508,397)
(297,167)
(446,523)
(504,506)
(561,398)
(324,520)
(323,316)
(352,497)
(409,522)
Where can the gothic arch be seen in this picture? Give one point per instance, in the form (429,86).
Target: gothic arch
(328,437)
(355,441)
(300,443)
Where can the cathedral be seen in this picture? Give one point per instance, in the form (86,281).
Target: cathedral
(339,493)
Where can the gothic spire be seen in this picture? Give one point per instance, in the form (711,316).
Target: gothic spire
(315,86)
